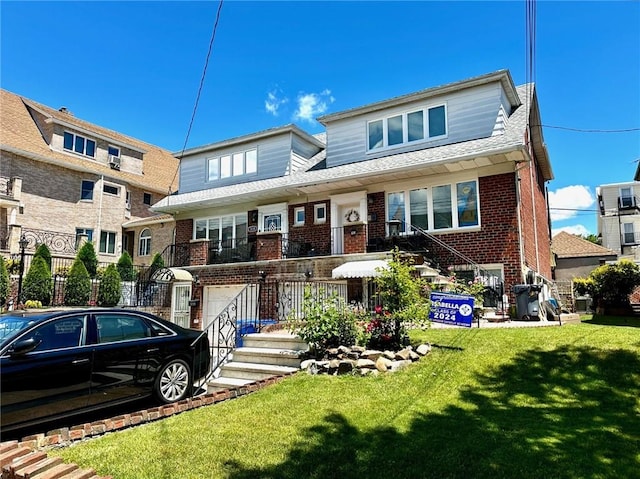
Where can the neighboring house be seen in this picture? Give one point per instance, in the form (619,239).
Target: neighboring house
(575,257)
(63,180)
(453,174)
(619,218)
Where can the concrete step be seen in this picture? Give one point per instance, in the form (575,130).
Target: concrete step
(275,341)
(254,371)
(275,356)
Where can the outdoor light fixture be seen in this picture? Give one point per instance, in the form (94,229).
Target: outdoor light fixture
(354,232)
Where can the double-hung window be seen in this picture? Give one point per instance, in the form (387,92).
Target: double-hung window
(79,144)
(298,216)
(107,242)
(435,208)
(86,192)
(417,125)
(628,234)
(223,231)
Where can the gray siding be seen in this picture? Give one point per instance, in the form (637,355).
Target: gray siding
(274,155)
(302,147)
(471,114)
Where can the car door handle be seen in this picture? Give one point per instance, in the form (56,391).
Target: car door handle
(153,350)
(80,361)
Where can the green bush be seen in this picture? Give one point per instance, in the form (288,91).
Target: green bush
(109,289)
(43,251)
(157,262)
(326,321)
(125,267)
(87,255)
(37,283)
(30,303)
(4,283)
(611,284)
(77,288)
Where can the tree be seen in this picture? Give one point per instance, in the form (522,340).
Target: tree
(87,255)
(611,284)
(593,238)
(109,290)
(37,283)
(157,263)
(125,267)
(401,295)
(77,287)
(43,251)
(4,283)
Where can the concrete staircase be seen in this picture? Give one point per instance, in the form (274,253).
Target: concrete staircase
(262,356)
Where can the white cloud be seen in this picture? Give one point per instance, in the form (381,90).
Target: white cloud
(574,230)
(566,202)
(274,101)
(311,105)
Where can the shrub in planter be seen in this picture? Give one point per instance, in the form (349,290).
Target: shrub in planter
(43,251)
(37,283)
(87,255)
(125,267)
(4,283)
(157,262)
(77,288)
(109,289)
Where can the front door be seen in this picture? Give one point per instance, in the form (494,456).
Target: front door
(180,309)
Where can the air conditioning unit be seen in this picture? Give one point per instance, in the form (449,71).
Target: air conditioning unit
(114,162)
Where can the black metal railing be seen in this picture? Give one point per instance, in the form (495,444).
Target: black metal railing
(296,248)
(232,250)
(58,243)
(396,235)
(6,186)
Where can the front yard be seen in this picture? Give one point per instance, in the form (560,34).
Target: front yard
(561,402)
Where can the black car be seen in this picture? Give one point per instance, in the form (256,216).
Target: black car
(58,363)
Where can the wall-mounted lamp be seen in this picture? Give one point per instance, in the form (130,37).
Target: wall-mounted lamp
(308,274)
(354,232)
(196,280)
(263,275)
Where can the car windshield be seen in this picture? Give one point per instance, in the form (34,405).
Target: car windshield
(10,326)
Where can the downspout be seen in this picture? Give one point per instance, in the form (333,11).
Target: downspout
(99,225)
(520,239)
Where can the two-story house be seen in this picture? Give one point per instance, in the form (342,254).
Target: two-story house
(618,219)
(64,180)
(454,174)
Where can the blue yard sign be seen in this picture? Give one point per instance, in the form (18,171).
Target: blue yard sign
(454,309)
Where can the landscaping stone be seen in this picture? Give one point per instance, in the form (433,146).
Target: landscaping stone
(361,361)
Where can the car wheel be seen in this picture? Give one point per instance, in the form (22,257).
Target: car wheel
(174,381)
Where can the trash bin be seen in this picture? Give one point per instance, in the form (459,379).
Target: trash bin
(249,326)
(527,304)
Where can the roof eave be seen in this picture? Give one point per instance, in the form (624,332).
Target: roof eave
(503,76)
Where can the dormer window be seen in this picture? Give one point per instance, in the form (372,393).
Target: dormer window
(79,144)
(236,164)
(429,123)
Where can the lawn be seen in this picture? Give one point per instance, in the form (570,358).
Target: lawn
(556,402)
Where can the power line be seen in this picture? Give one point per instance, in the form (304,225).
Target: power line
(195,106)
(586,130)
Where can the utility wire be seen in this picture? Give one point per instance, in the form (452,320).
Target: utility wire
(586,130)
(195,106)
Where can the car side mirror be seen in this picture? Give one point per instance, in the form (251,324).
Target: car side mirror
(24,346)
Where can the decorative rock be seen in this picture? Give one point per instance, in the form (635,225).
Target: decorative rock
(332,352)
(357,349)
(365,364)
(403,355)
(424,349)
(398,365)
(383,364)
(345,367)
(371,354)
(343,350)
(390,355)
(413,356)
(307,363)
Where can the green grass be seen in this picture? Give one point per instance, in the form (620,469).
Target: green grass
(557,402)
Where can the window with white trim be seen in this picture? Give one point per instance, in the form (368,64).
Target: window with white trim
(113,151)
(80,232)
(298,216)
(107,242)
(435,208)
(320,213)
(237,164)
(628,233)
(227,229)
(79,144)
(273,217)
(144,244)
(86,191)
(111,189)
(424,124)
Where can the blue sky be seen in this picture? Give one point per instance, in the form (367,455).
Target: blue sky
(135,67)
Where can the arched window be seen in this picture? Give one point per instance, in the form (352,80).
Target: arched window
(144,248)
